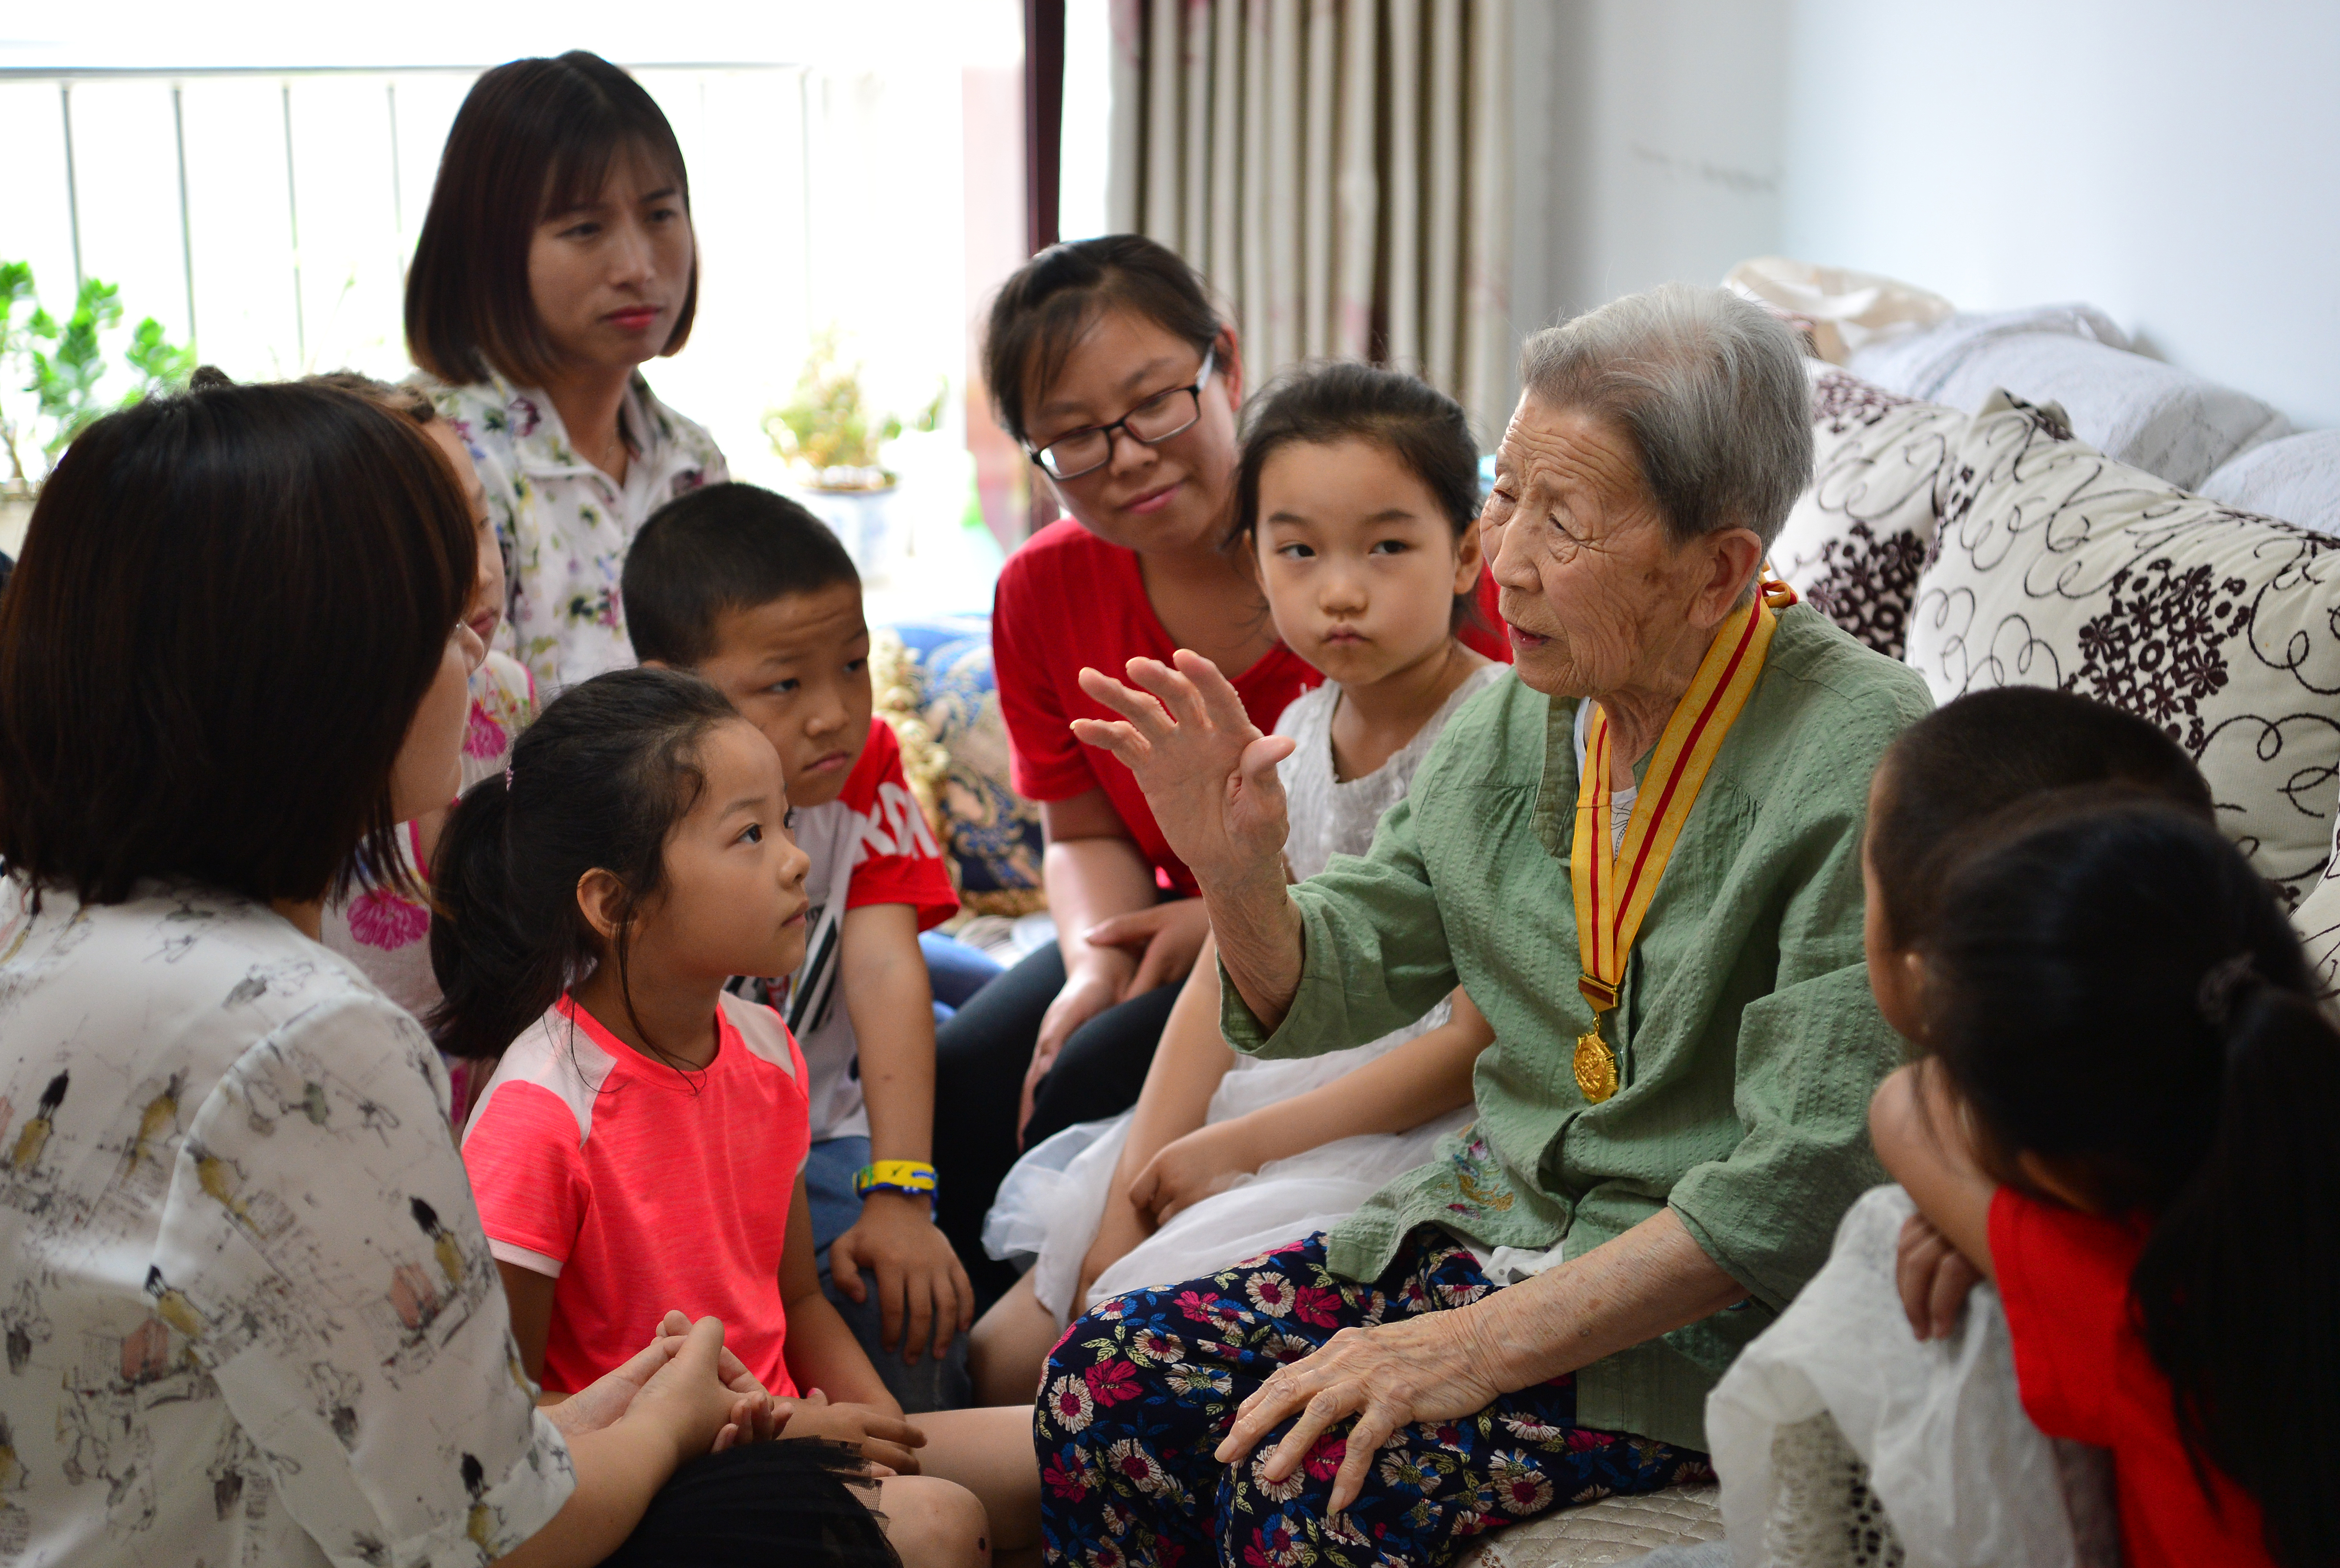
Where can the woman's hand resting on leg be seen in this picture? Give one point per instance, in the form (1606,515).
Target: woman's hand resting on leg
(1203,1164)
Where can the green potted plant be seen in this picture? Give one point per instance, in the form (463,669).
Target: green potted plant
(827,430)
(62,366)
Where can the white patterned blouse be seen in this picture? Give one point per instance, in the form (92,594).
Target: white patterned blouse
(249,1314)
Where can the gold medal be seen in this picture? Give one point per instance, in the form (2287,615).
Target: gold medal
(1596,1066)
(1614,879)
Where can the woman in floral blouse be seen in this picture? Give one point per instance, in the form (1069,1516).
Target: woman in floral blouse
(557,257)
(251,1314)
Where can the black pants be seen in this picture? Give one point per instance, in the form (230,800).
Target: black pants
(981,1054)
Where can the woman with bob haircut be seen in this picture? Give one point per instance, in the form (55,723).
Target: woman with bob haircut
(251,1314)
(556,259)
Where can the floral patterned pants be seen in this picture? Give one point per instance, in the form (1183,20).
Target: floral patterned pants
(1139,1393)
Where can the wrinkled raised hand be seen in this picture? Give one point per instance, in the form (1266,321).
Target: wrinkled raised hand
(1424,1368)
(1207,769)
(1167,938)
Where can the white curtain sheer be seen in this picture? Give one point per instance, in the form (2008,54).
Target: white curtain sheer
(1339,170)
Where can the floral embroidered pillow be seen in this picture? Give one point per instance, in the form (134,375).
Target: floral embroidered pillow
(1857,539)
(2056,566)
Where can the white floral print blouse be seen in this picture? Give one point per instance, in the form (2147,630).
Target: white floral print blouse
(248,1312)
(564,525)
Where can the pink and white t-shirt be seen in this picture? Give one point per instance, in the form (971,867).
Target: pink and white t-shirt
(640,1188)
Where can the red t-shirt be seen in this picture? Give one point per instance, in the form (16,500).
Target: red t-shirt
(639,1190)
(1067,598)
(2084,1374)
(894,858)
(869,846)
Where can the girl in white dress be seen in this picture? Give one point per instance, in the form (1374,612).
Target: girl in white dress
(1356,499)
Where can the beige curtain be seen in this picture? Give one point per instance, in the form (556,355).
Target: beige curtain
(1339,170)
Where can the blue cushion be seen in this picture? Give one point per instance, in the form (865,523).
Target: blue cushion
(944,683)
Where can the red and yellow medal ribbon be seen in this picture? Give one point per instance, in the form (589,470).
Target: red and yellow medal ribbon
(1614,887)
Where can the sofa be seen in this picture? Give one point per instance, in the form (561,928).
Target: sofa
(2018,498)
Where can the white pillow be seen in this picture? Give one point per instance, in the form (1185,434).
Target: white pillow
(1919,364)
(2057,567)
(1855,541)
(2140,411)
(2297,479)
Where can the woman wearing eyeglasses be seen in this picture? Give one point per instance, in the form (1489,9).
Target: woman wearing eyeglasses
(1107,361)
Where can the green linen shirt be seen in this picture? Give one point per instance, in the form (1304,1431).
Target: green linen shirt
(1748,1044)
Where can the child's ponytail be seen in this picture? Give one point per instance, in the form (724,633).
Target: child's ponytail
(2238,1291)
(2113,991)
(497,972)
(597,783)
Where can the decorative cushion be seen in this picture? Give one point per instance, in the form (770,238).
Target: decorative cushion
(1855,541)
(2317,921)
(1614,1530)
(2140,411)
(2057,567)
(2297,479)
(934,684)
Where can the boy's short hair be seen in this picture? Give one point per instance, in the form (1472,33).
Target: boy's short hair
(728,546)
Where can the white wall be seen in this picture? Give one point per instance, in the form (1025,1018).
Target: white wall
(1649,144)
(2174,161)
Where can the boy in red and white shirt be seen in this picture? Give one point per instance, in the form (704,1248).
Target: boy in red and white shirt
(751,592)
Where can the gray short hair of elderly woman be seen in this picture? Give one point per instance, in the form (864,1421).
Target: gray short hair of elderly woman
(1670,1121)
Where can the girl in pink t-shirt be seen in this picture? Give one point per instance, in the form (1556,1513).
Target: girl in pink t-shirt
(640,1144)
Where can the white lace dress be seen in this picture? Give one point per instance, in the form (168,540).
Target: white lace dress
(1050,1205)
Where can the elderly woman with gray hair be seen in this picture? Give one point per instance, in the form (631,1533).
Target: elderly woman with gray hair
(1640,857)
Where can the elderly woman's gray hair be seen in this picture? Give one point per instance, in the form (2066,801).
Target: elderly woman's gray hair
(1710,389)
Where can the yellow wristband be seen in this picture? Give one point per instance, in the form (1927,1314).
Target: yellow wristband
(895,1175)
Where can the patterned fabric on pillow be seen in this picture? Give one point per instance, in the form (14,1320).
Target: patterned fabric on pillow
(2056,567)
(2317,921)
(934,684)
(1856,540)
(2297,479)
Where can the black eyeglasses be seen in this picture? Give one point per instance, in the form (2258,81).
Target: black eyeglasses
(1152,423)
